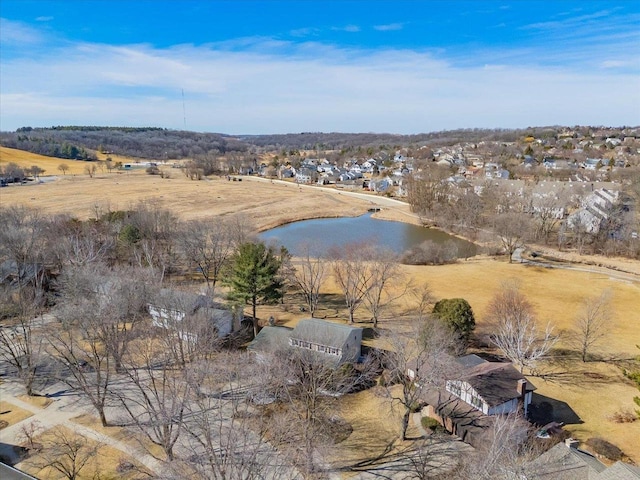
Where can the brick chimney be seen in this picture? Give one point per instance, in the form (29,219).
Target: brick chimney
(522,387)
(572,443)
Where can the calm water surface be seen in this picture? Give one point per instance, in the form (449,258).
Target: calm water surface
(324,233)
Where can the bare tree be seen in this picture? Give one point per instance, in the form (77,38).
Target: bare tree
(593,323)
(514,328)
(305,382)
(383,270)
(154,395)
(63,167)
(119,298)
(309,274)
(548,210)
(90,170)
(65,452)
(188,329)
(512,230)
(419,362)
(21,338)
(24,244)
(505,452)
(79,243)
(427,189)
(208,244)
(76,344)
(158,231)
(224,432)
(352,274)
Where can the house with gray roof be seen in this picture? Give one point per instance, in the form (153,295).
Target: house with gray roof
(329,342)
(565,461)
(471,403)
(190,314)
(493,388)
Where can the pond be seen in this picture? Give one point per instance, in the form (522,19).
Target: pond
(322,234)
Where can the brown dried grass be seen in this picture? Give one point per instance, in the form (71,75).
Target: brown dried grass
(12,414)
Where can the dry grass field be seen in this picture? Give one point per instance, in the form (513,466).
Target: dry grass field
(104,464)
(594,391)
(11,414)
(40,402)
(266,204)
(48,164)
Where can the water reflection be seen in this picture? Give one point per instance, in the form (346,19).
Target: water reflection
(323,234)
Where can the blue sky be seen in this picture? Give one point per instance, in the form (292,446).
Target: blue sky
(292,66)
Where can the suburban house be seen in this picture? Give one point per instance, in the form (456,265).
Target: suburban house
(469,405)
(188,314)
(595,210)
(493,388)
(381,184)
(330,342)
(565,461)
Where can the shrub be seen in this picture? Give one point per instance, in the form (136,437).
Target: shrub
(429,423)
(623,416)
(431,253)
(607,449)
(457,314)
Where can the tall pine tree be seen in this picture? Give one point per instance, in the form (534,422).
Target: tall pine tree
(254,277)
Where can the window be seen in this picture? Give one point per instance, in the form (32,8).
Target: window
(455,389)
(476,402)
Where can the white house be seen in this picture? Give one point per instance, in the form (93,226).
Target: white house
(190,315)
(493,388)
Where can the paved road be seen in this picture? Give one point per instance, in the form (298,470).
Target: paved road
(624,276)
(374,200)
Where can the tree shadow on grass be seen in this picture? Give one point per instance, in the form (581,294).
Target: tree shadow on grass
(331,305)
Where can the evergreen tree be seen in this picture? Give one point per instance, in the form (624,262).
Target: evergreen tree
(254,277)
(457,314)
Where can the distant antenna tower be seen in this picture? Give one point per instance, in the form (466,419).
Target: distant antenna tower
(184,111)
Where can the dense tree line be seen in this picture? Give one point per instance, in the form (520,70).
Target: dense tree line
(160,143)
(151,143)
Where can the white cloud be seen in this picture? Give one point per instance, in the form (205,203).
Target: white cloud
(44,19)
(282,87)
(16,33)
(389,27)
(348,28)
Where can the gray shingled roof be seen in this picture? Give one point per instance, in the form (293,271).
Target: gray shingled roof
(321,331)
(619,471)
(270,340)
(496,382)
(563,463)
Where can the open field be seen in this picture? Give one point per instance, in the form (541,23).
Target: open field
(266,204)
(48,164)
(593,391)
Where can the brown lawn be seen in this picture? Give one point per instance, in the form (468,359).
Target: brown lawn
(133,439)
(594,391)
(48,164)
(40,402)
(103,465)
(11,414)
